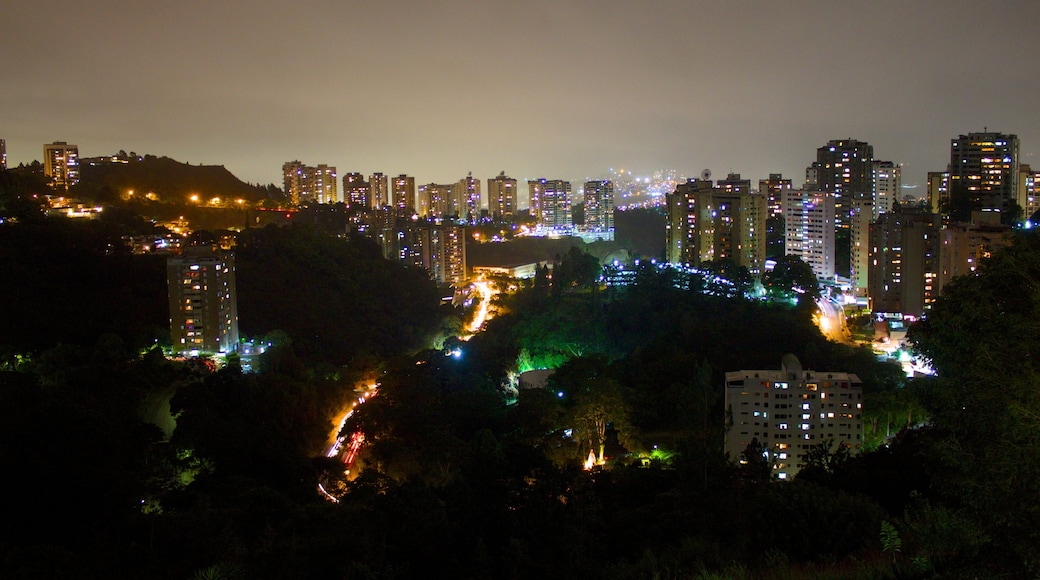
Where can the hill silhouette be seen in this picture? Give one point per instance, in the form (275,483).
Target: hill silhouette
(169,179)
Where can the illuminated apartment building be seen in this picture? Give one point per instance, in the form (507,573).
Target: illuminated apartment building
(844,167)
(1028,191)
(809,229)
(689,233)
(324,184)
(706,223)
(403,193)
(965,245)
(305,184)
(3,154)
(61,164)
(887,180)
(502,196)
(435,199)
(203,308)
(379,189)
(599,205)
(550,203)
(467,203)
(791,410)
(986,165)
(903,275)
(773,189)
(440,250)
(356,191)
(859,244)
(938,190)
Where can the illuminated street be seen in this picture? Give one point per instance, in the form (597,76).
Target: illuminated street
(831,321)
(487,291)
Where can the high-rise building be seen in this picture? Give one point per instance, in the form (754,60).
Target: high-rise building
(403,191)
(790,410)
(844,168)
(439,249)
(773,189)
(599,205)
(306,184)
(1028,191)
(61,164)
(938,190)
(986,166)
(861,218)
(379,188)
(435,198)
(203,307)
(706,223)
(739,223)
(555,204)
(3,154)
(809,229)
(690,232)
(324,184)
(502,196)
(535,189)
(467,198)
(356,191)
(887,185)
(293,180)
(965,245)
(904,261)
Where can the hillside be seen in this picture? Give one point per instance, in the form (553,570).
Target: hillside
(169,179)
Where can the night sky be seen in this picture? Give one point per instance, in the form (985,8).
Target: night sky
(535,88)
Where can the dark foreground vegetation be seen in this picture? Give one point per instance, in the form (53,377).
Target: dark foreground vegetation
(462,475)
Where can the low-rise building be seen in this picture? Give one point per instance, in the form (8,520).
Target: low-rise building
(791,410)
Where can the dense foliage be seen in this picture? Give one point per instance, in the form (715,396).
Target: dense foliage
(336,298)
(462,475)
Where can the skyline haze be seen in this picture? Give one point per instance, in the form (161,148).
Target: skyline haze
(536,89)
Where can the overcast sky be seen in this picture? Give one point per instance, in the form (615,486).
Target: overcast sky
(555,89)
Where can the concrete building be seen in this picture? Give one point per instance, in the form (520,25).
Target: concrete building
(3,154)
(403,194)
(859,245)
(553,198)
(439,249)
(61,164)
(1028,194)
(467,202)
(809,229)
(791,410)
(599,205)
(502,196)
(773,189)
(305,184)
(887,178)
(938,190)
(379,189)
(356,191)
(844,168)
(203,307)
(435,199)
(690,226)
(904,262)
(706,223)
(986,165)
(964,245)
(324,185)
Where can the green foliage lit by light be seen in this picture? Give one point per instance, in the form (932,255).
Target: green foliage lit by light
(539,360)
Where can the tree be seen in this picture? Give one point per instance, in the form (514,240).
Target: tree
(596,401)
(983,339)
(791,279)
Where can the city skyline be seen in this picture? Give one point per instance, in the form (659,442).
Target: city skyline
(538,89)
